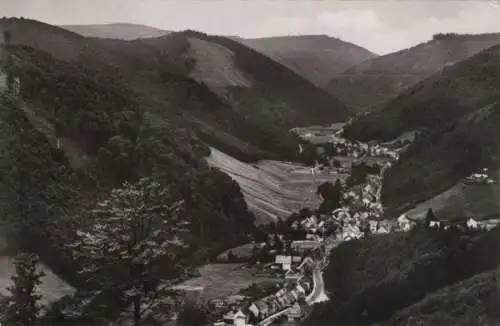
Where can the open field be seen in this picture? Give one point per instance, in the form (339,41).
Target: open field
(318,134)
(242,251)
(51,289)
(274,189)
(215,65)
(477,201)
(222,280)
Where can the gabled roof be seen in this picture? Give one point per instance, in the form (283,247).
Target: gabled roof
(239,314)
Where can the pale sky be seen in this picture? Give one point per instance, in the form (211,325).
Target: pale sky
(378,25)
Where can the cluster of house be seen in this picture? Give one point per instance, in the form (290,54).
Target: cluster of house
(286,298)
(265,307)
(479,177)
(463,223)
(298,285)
(357,149)
(347,148)
(380,151)
(314,226)
(363,199)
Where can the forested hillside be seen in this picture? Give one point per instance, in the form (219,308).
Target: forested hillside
(248,122)
(44,200)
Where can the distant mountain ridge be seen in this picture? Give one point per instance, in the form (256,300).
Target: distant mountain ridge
(124,31)
(315,57)
(370,84)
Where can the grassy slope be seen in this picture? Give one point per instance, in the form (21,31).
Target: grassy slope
(472,302)
(273,189)
(375,81)
(478,201)
(124,31)
(315,57)
(284,93)
(222,280)
(369,280)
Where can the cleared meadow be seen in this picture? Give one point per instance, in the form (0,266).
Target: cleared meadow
(222,280)
(477,201)
(274,189)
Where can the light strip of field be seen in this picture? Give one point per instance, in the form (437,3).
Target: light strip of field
(273,189)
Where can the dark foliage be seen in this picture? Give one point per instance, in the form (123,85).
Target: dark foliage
(369,280)
(473,302)
(192,316)
(85,104)
(261,290)
(332,194)
(43,194)
(360,172)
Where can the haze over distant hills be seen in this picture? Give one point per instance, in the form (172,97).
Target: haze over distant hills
(316,57)
(371,83)
(124,31)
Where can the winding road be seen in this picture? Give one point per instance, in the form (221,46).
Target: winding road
(318,293)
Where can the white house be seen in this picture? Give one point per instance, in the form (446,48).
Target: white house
(471,223)
(240,319)
(284,261)
(295,313)
(434,224)
(382,230)
(404,223)
(253,309)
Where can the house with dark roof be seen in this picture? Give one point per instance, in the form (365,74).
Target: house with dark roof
(431,220)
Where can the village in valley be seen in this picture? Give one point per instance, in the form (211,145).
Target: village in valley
(296,251)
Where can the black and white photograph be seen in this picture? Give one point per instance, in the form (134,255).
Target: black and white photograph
(249,162)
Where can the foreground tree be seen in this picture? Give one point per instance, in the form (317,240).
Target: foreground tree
(192,315)
(134,245)
(21,307)
(332,195)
